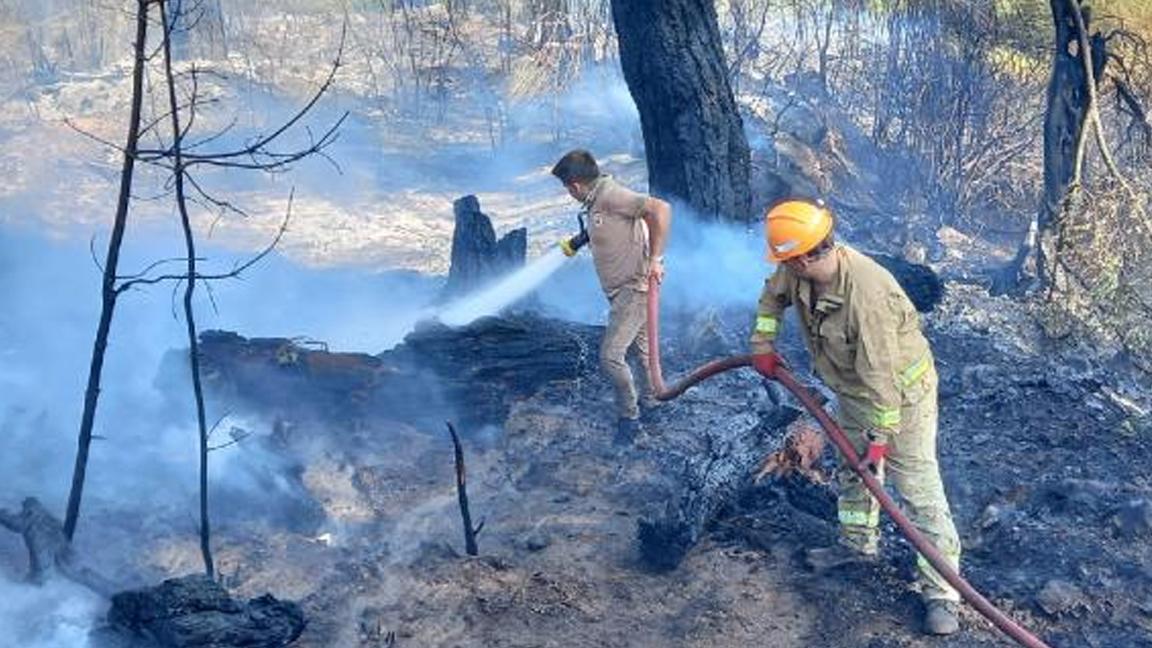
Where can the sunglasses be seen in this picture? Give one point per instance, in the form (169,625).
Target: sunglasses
(815,254)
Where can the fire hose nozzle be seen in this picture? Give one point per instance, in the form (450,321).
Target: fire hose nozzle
(572,245)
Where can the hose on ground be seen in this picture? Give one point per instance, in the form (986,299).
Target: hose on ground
(840,440)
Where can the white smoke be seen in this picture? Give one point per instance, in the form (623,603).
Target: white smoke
(56,615)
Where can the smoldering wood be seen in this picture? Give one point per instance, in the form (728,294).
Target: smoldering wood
(708,482)
(49,552)
(478,256)
(470,532)
(476,370)
(197,611)
(799,454)
(921,283)
(694,142)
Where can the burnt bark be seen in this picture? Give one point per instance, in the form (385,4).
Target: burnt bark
(196,611)
(1065,120)
(921,283)
(694,139)
(470,532)
(709,480)
(477,256)
(478,369)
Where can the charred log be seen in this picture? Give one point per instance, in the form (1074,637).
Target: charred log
(477,370)
(197,611)
(484,366)
(710,480)
(477,256)
(920,282)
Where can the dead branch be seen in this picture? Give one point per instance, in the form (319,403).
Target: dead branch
(470,532)
(259,147)
(234,273)
(1094,116)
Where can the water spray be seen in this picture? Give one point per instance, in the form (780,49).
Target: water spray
(840,440)
(506,291)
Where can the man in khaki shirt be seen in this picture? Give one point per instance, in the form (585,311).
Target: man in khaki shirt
(627,232)
(866,345)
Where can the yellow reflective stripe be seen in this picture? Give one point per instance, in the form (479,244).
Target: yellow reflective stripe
(869,519)
(886,417)
(952,558)
(915,371)
(766,324)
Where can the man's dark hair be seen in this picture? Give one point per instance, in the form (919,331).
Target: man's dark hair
(576,166)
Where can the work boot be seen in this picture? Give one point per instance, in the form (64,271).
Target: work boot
(940,617)
(838,555)
(626,431)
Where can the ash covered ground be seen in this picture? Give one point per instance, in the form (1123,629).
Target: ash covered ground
(351,510)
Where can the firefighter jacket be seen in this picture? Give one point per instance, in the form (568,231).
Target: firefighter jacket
(863,333)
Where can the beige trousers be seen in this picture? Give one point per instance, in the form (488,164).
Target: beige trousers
(915,473)
(627,329)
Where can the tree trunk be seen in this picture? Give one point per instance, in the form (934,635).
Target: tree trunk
(170,22)
(109,292)
(49,551)
(477,256)
(694,139)
(1065,119)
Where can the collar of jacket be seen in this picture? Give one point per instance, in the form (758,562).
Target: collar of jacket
(833,298)
(594,191)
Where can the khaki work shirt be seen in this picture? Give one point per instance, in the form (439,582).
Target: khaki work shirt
(863,332)
(618,236)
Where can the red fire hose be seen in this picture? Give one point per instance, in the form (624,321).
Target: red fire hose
(832,429)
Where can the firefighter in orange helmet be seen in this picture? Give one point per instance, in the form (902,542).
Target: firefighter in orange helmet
(864,337)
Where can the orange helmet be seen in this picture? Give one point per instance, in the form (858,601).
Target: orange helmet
(794,227)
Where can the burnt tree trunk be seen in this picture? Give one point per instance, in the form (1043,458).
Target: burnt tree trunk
(694,139)
(1065,121)
(108,290)
(49,551)
(479,369)
(477,256)
(171,23)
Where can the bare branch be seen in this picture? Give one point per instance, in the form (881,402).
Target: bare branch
(235,272)
(221,205)
(1094,116)
(259,146)
(92,251)
(270,161)
(153,266)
